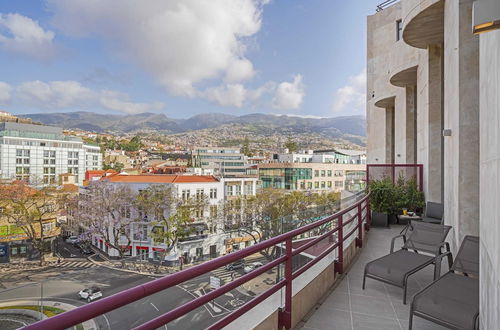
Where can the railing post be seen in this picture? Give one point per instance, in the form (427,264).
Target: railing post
(339,263)
(285,315)
(368,215)
(359,239)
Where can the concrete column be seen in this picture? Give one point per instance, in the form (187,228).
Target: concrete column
(434,165)
(389,135)
(489,180)
(411,124)
(461,115)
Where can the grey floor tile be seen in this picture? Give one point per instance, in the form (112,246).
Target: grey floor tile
(370,322)
(376,306)
(421,324)
(330,319)
(338,300)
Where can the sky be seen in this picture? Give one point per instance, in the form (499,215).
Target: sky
(184,57)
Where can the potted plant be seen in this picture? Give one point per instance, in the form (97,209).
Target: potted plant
(382,201)
(412,199)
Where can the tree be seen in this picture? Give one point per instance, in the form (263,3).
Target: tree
(273,212)
(105,209)
(29,209)
(170,220)
(118,167)
(245,149)
(291,145)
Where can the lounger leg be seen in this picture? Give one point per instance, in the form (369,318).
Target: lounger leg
(410,321)
(404,292)
(364,281)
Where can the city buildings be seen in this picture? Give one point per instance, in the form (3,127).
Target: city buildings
(336,156)
(207,238)
(312,176)
(40,153)
(433,99)
(223,161)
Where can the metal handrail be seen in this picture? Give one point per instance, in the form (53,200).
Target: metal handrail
(385,4)
(100,307)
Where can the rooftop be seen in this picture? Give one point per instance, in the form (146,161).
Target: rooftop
(161,178)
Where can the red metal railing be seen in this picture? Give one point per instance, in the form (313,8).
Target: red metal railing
(394,171)
(105,305)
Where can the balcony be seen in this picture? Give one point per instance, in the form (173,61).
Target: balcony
(297,268)
(379,306)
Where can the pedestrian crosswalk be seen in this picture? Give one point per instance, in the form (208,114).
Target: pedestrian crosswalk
(75,264)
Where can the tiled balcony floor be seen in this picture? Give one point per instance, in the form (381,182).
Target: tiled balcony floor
(380,306)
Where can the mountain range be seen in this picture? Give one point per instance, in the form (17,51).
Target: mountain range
(91,121)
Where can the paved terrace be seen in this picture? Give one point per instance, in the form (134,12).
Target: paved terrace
(380,306)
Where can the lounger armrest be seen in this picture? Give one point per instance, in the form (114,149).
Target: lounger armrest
(439,259)
(437,248)
(394,240)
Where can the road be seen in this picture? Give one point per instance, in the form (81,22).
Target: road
(63,282)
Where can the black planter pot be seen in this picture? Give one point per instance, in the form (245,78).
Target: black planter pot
(380,219)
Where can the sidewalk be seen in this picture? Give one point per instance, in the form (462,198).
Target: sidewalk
(87,325)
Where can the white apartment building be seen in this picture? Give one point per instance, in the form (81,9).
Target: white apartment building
(40,153)
(223,161)
(207,238)
(336,156)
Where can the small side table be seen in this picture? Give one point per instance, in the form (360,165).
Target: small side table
(408,219)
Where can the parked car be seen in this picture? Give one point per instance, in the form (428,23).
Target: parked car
(90,294)
(236,265)
(84,248)
(72,239)
(254,265)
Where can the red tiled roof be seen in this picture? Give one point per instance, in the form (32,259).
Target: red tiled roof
(161,178)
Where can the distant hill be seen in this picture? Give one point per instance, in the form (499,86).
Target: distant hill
(352,128)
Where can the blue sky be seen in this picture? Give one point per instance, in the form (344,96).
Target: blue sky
(184,57)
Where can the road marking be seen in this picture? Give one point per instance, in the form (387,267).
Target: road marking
(107,321)
(154,307)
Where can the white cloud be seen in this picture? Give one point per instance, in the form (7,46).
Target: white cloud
(120,102)
(230,95)
(237,95)
(180,42)
(289,95)
(5,90)
(352,97)
(24,36)
(71,94)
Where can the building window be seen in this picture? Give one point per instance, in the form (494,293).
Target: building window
(316,184)
(309,185)
(238,190)
(338,184)
(322,172)
(323,184)
(329,184)
(186,194)
(316,173)
(199,194)
(229,190)
(213,211)
(213,192)
(329,173)
(399,30)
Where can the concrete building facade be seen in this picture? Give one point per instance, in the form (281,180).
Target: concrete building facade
(319,177)
(432,99)
(42,153)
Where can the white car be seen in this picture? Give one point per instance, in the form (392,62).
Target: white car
(90,294)
(248,268)
(72,239)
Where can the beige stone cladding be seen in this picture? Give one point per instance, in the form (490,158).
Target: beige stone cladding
(419,82)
